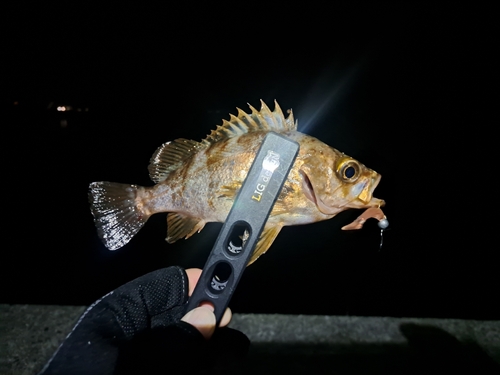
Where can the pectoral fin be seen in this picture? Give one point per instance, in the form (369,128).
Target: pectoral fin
(229,191)
(266,239)
(180,226)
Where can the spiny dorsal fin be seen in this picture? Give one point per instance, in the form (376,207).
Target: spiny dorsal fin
(170,156)
(256,121)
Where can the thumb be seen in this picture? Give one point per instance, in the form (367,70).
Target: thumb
(203,319)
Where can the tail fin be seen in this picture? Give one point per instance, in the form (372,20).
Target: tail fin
(116,214)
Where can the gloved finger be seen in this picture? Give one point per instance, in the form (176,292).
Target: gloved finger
(152,300)
(203,319)
(226,318)
(193,275)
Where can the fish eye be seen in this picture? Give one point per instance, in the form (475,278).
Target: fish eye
(349,171)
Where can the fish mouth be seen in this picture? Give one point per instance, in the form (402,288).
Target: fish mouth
(364,199)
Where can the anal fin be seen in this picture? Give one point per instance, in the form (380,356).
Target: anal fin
(266,239)
(182,226)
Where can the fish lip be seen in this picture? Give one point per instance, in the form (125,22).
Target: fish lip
(373,202)
(372,182)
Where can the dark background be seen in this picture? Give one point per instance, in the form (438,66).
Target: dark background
(405,89)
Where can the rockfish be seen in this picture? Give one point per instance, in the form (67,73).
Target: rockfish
(197,182)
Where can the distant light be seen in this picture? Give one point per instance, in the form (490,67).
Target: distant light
(61,108)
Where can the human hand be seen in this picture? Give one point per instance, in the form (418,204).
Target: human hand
(142,327)
(203,317)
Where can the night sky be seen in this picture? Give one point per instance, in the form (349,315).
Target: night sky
(404,89)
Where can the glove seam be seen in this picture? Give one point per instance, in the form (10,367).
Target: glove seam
(85,313)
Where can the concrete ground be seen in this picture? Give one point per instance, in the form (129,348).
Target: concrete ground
(291,344)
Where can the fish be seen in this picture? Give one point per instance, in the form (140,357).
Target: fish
(196,182)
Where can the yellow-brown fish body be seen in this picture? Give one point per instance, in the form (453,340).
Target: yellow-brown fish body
(197,183)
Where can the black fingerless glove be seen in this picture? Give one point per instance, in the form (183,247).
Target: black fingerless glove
(136,329)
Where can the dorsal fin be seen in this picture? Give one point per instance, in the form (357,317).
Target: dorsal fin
(170,156)
(255,121)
